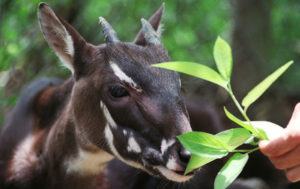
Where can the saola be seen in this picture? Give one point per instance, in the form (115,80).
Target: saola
(115,104)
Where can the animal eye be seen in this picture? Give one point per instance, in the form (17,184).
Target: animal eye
(117,91)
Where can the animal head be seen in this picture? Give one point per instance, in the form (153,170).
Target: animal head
(120,102)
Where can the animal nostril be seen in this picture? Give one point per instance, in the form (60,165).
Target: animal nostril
(184,156)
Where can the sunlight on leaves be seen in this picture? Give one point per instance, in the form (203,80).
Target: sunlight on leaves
(231,170)
(204,144)
(223,57)
(196,162)
(239,122)
(235,137)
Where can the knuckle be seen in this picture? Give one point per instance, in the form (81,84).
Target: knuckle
(291,177)
(278,164)
(297,107)
(294,136)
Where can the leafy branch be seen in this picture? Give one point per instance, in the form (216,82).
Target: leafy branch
(206,147)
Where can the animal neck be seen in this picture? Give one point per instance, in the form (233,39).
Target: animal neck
(59,146)
(68,141)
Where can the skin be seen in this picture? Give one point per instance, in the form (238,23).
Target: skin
(284,151)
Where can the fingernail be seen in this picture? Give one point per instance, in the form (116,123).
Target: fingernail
(263,143)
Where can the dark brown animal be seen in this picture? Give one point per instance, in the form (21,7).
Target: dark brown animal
(115,104)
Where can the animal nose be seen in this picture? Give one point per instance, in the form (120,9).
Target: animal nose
(184,157)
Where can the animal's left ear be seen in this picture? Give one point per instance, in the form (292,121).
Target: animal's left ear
(155,21)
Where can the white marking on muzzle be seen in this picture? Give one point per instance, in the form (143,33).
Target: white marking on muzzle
(133,146)
(110,138)
(171,164)
(165,144)
(107,115)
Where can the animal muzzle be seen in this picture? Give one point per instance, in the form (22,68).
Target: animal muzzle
(170,164)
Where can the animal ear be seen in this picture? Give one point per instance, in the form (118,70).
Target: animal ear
(155,21)
(61,36)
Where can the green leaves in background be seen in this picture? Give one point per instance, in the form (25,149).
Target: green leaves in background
(231,170)
(259,89)
(223,57)
(204,144)
(196,70)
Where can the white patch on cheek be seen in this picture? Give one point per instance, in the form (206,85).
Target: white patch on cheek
(166,144)
(109,139)
(124,132)
(133,146)
(107,115)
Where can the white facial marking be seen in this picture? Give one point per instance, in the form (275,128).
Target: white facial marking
(166,144)
(133,146)
(122,76)
(88,163)
(109,139)
(23,160)
(124,132)
(171,164)
(107,115)
(171,175)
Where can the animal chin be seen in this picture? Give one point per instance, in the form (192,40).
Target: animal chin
(173,175)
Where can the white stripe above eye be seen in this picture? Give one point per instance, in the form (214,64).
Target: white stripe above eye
(120,74)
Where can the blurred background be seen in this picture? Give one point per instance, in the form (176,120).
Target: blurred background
(263,34)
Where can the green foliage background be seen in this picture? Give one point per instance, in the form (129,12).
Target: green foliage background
(191,28)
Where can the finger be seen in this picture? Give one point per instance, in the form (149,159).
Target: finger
(293,174)
(288,160)
(295,119)
(281,145)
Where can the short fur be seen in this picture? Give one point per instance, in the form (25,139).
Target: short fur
(60,133)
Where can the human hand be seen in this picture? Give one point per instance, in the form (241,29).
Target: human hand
(284,151)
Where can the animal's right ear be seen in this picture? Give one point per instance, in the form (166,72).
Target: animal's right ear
(61,37)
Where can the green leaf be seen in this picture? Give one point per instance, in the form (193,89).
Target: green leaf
(267,128)
(239,122)
(196,162)
(231,170)
(196,70)
(223,57)
(235,137)
(204,144)
(259,89)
